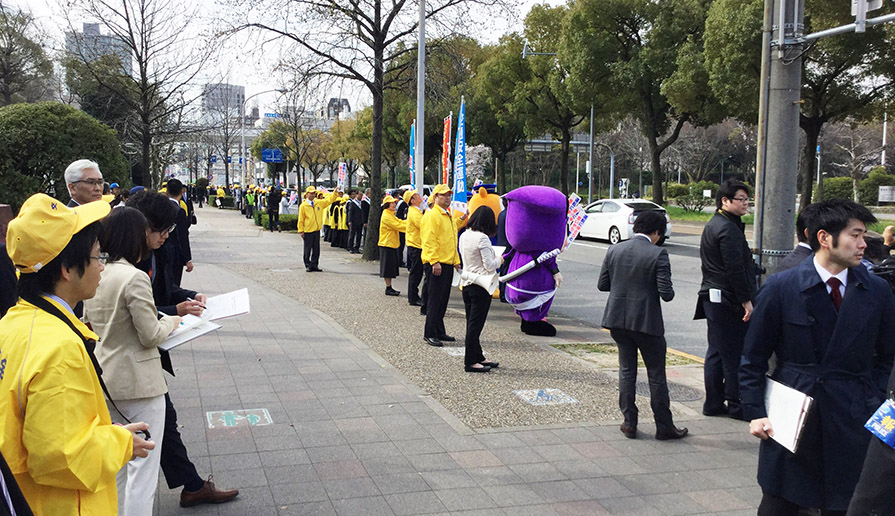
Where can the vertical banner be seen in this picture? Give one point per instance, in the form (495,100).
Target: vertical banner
(446,150)
(343,169)
(458,202)
(411,164)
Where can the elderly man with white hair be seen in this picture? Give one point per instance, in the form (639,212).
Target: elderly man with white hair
(84,181)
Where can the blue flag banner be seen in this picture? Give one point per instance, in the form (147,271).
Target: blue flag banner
(458,202)
(412,163)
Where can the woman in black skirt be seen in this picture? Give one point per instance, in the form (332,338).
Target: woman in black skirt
(389,228)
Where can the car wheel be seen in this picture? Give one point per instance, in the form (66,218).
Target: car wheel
(662,240)
(615,235)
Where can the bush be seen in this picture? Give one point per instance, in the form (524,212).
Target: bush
(676,190)
(836,188)
(227,201)
(288,222)
(694,200)
(868,188)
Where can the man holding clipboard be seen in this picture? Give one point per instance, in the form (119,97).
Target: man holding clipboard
(829,322)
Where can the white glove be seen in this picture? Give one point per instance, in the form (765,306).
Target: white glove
(558,279)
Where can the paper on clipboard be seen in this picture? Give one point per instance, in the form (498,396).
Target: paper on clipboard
(227,305)
(192,327)
(787,410)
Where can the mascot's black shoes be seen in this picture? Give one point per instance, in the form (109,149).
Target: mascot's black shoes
(538,328)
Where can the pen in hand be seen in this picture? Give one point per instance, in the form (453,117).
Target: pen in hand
(193,300)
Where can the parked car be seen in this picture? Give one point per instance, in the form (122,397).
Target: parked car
(427,189)
(613,219)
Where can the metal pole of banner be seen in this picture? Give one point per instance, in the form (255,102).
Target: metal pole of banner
(590,156)
(419,155)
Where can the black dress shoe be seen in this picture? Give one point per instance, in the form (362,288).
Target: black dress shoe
(433,342)
(316,269)
(308,269)
(629,431)
(711,412)
(415,303)
(674,433)
(471,369)
(389,291)
(447,338)
(422,310)
(490,364)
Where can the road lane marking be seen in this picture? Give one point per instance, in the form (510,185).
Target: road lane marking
(686,355)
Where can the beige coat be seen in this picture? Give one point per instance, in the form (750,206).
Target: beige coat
(124,316)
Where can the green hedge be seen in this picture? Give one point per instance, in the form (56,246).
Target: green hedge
(288,221)
(227,201)
(868,188)
(836,188)
(693,199)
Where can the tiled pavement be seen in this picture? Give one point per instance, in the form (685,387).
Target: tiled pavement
(350,435)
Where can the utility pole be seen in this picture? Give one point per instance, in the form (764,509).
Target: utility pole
(820,179)
(419,155)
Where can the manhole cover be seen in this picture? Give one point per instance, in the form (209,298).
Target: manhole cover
(676,391)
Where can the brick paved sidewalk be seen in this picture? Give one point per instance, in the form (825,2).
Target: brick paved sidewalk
(349,434)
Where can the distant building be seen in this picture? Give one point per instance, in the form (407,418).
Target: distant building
(90,45)
(335,108)
(220,96)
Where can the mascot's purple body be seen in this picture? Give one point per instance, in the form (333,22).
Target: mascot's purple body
(535,224)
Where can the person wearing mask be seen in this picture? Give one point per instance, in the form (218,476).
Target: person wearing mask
(414,247)
(478,257)
(828,321)
(124,316)
(725,298)
(438,235)
(171,299)
(310,219)
(84,182)
(637,274)
(55,430)
(389,227)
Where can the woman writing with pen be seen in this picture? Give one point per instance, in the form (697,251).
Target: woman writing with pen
(123,314)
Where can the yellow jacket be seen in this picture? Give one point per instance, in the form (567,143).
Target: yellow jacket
(389,227)
(438,234)
(412,238)
(343,222)
(327,219)
(58,438)
(221,192)
(310,218)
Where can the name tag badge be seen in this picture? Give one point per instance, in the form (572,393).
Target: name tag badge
(882,423)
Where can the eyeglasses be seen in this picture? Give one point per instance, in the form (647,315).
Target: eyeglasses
(103,258)
(91,182)
(741,199)
(166,230)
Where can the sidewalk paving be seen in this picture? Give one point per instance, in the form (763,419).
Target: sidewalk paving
(349,433)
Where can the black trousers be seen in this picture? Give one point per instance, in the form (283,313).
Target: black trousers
(726,332)
(775,506)
(354,233)
(439,292)
(273,221)
(415,264)
(176,464)
(401,244)
(652,349)
(312,248)
(477,302)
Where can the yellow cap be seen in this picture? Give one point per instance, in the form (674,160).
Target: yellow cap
(388,200)
(408,195)
(441,189)
(44,227)
(310,189)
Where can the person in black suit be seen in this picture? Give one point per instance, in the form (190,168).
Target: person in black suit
(401,212)
(354,213)
(636,273)
(274,197)
(802,250)
(180,239)
(729,272)
(84,182)
(829,323)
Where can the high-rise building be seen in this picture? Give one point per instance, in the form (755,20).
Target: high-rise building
(335,108)
(220,96)
(90,44)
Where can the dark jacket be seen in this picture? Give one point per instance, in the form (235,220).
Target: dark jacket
(401,210)
(842,359)
(726,261)
(876,489)
(181,237)
(365,205)
(795,257)
(636,274)
(8,295)
(273,199)
(354,214)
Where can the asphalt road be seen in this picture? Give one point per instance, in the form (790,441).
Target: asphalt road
(580,299)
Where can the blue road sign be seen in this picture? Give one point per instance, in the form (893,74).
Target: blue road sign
(271,155)
(271,115)
(229,159)
(213,159)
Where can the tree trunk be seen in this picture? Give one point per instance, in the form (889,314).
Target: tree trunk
(564,168)
(371,246)
(812,128)
(656,169)
(501,178)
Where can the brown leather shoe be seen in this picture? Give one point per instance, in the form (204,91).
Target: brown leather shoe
(208,494)
(629,431)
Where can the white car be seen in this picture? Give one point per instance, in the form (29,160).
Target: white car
(613,219)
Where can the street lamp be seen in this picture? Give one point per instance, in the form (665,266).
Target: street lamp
(242,131)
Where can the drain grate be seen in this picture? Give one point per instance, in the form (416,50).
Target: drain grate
(676,391)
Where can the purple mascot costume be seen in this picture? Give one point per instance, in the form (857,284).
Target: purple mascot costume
(535,225)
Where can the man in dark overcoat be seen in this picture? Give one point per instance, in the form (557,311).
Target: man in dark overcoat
(829,321)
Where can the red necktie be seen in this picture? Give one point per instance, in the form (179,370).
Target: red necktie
(835,295)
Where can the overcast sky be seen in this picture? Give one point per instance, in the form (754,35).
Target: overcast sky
(237,67)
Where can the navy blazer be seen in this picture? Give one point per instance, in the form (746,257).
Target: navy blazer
(842,359)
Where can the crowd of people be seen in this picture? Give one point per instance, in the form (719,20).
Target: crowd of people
(87,420)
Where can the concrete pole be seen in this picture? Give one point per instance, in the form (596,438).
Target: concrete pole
(778,182)
(590,158)
(820,178)
(885,124)
(419,155)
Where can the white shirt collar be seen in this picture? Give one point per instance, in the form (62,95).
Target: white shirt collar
(826,275)
(644,236)
(805,245)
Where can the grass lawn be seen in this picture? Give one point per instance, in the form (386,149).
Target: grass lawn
(678,213)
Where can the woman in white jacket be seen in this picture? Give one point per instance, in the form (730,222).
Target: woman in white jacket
(124,316)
